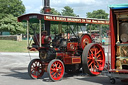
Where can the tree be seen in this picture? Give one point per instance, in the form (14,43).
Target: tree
(68,11)
(14,7)
(55,12)
(99,14)
(9,23)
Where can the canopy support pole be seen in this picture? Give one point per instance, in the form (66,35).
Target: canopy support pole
(90,29)
(100,33)
(27,33)
(40,33)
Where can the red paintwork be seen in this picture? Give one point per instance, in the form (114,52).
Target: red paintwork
(75,19)
(33,49)
(60,54)
(76,60)
(113,36)
(72,60)
(56,49)
(68,58)
(86,38)
(72,46)
(42,39)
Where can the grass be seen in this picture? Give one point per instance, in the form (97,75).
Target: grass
(13,46)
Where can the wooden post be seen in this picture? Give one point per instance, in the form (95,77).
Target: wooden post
(27,33)
(40,33)
(90,29)
(100,33)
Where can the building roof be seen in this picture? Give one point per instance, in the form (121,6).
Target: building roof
(119,6)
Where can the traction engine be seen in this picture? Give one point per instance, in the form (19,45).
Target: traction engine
(62,55)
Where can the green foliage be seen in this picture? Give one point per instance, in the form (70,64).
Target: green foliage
(9,23)
(68,11)
(54,28)
(14,7)
(54,12)
(9,10)
(99,14)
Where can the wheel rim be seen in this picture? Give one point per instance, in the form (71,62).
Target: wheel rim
(36,69)
(95,59)
(85,39)
(56,70)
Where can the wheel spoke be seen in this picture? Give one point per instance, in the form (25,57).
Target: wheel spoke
(54,74)
(52,69)
(90,64)
(59,66)
(33,66)
(88,61)
(91,51)
(97,63)
(98,56)
(36,63)
(55,64)
(95,51)
(95,66)
(99,60)
(89,57)
(58,74)
(98,51)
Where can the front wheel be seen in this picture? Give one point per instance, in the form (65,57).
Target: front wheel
(35,69)
(56,70)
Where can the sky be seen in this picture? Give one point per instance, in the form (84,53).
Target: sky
(80,7)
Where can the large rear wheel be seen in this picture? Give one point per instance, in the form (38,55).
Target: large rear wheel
(93,59)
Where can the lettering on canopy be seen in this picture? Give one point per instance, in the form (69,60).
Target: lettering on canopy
(33,16)
(75,20)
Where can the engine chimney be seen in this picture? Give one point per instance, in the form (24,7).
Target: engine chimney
(47,10)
